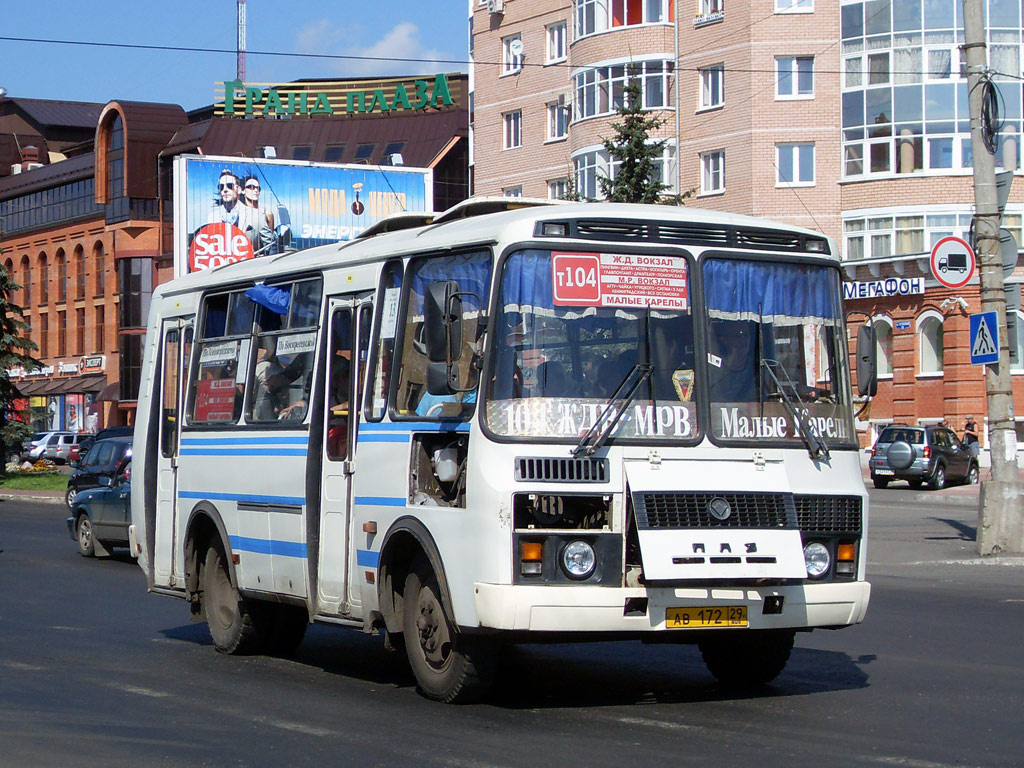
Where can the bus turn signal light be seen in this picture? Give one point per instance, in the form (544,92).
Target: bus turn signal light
(530,555)
(846,552)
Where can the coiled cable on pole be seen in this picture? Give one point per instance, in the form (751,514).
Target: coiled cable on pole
(989,112)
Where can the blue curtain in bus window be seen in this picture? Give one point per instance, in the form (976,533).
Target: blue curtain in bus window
(527,280)
(472,271)
(271,297)
(783,294)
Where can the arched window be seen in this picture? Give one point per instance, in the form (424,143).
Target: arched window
(9,269)
(26,282)
(1018,367)
(98,259)
(883,350)
(62,276)
(115,159)
(44,280)
(929,333)
(79,272)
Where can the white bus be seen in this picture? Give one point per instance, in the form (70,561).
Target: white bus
(549,423)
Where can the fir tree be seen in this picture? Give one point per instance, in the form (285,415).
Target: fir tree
(14,349)
(638,177)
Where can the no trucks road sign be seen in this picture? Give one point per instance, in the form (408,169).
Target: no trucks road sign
(953,262)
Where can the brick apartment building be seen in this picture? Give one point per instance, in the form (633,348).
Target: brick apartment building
(86,218)
(850,118)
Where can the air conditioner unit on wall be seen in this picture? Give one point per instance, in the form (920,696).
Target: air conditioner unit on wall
(495,6)
(15,168)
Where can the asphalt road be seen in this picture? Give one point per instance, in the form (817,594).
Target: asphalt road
(93,671)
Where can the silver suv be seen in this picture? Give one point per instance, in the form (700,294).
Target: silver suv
(920,455)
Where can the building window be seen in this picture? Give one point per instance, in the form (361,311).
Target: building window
(99,264)
(587,167)
(115,160)
(601,90)
(794,77)
(79,272)
(513,134)
(512,191)
(558,121)
(911,232)
(44,335)
(556,49)
(62,276)
(593,16)
(26,283)
(302,153)
(136,288)
(363,153)
(62,334)
(100,329)
(559,188)
(794,6)
(712,172)
(712,86)
(929,332)
(44,280)
(794,164)
(333,153)
(79,331)
(883,349)
(511,54)
(1018,367)
(709,10)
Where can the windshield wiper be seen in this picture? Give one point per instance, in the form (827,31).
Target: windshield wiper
(602,427)
(816,446)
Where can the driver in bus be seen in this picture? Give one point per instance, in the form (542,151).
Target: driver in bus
(731,353)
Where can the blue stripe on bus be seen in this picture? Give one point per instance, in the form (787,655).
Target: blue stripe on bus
(268,546)
(217,451)
(367,559)
(294,501)
(378,437)
(414,426)
(244,440)
(380,501)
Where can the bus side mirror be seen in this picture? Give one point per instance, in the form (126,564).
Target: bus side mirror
(867,361)
(442,315)
(442,378)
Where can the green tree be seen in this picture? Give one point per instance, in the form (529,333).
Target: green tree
(14,349)
(638,177)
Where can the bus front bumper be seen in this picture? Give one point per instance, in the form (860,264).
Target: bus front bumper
(612,609)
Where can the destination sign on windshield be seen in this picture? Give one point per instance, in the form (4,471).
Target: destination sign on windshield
(619,280)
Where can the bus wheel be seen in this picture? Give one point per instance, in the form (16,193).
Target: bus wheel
(85,543)
(747,658)
(448,666)
(227,614)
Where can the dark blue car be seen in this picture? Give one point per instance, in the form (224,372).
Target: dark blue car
(100,516)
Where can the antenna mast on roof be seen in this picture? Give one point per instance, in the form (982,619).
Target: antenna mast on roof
(241,41)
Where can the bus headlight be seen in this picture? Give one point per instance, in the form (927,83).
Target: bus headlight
(817,559)
(578,559)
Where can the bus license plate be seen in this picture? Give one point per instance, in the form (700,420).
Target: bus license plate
(704,617)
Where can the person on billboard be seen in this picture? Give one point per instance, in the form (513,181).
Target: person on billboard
(267,244)
(230,209)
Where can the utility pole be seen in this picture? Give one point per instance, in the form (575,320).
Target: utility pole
(1001,508)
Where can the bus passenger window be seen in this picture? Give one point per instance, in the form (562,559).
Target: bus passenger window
(338,385)
(218,379)
(384,349)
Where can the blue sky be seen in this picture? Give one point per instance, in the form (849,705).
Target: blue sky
(432,31)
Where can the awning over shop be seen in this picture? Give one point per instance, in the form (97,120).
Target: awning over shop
(109,392)
(74,385)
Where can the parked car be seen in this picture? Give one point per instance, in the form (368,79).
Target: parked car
(103,434)
(104,460)
(74,454)
(40,444)
(62,449)
(919,455)
(100,516)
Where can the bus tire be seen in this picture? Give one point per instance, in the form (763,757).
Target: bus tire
(747,658)
(449,666)
(227,613)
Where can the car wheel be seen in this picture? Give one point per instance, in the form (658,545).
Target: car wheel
(69,497)
(973,475)
(227,613)
(938,481)
(880,482)
(746,658)
(449,666)
(86,545)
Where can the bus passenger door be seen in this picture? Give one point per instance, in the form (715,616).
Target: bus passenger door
(349,333)
(175,348)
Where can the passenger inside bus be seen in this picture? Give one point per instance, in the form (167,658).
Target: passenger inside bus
(731,361)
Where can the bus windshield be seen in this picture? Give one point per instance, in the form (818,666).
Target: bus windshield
(776,351)
(575,328)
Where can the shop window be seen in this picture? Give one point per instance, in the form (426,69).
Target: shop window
(930,341)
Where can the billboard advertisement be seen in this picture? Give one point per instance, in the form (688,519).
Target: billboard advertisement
(228,209)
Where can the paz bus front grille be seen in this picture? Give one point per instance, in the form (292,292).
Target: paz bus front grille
(809,514)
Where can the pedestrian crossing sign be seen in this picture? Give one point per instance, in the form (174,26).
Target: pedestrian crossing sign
(984,338)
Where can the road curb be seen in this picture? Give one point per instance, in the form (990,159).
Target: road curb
(29,496)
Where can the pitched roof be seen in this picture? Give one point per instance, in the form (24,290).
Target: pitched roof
(76,114)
